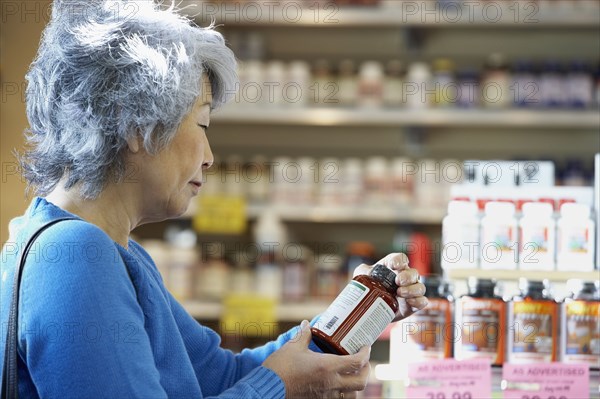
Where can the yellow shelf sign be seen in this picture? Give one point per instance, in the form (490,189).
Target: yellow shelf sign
(249,316)
(220,214)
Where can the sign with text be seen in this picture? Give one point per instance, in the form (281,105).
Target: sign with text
(219,214)
(546,381)
(249,316)
(450,379)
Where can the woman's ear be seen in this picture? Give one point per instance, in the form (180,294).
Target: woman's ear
(133,142)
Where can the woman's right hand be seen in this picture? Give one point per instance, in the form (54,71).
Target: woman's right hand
(307,374)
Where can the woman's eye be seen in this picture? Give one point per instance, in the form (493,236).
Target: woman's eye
(205,127)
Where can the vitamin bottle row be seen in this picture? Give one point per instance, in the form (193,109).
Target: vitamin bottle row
(538,240)
(529,328)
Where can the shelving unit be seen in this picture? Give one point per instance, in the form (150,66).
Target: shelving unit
(554,119)
(285,312)
(513,275)
(522,16)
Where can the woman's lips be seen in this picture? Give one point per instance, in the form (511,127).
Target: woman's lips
(196,186)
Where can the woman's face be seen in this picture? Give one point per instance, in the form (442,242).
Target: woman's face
(173,176)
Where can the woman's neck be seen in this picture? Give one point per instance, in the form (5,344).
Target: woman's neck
(110,211)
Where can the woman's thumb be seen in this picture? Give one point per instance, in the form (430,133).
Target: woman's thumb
(304,335)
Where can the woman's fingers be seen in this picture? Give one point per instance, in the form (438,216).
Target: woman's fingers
(395,261)
(355,362)
(356,381)
(407,277)
(417,303)
(411,291)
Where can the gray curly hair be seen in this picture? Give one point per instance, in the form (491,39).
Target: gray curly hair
(107,70)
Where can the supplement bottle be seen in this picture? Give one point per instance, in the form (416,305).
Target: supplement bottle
(481,323)
(575,232)
(537,246)
(460,236)
(532,324)
(499,236)
(580,324)
(428,334)
(359,314)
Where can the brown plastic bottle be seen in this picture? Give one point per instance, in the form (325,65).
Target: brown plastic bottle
(580,324)
(532,324)
(480,319)
(359,314)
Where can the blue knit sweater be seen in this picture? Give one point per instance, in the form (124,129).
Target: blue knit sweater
(96,321)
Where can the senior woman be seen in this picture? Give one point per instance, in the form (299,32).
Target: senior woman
(119,102)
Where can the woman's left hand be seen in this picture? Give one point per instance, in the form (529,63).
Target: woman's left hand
(410,293)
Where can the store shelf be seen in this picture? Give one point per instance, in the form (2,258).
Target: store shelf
(528,274)
(285,312)
(424,14)
(407,117)
(363,214)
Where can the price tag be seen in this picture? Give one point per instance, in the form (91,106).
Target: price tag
(546,381)
(249,316)
(450,379)
(220,214)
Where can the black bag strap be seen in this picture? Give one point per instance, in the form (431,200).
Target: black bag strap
(10,377)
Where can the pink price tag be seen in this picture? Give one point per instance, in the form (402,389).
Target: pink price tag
(546,381)
(450,379)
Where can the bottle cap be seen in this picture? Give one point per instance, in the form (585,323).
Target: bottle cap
(538,209)
(481,284)
(539,286)
(572,210)
(386,276)
(500,208)
(462,208)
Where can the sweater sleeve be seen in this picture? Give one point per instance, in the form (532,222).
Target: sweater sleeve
(221,370)
(81,328)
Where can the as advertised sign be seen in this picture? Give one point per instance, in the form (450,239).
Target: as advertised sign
(546,381)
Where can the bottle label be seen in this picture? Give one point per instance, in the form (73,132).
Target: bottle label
(534,239)
(533,336)
(481,324)
(371,324)
(574,240)
(428,332)
(341,307)
(581,343)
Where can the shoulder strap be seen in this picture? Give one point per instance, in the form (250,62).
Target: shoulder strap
(10,383)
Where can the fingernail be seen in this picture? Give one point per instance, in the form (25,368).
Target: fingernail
(304,325)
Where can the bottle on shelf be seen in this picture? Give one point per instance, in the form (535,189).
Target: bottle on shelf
(481,316)
(428,334)
(352,181)
(296,90)
(575,233)
(418,84)
(532,324)
(394,85)
(499,236)
(377,181)
(328,277)
(270,236)
(552,85)
(580,324)
(460,236)
(322,89)
(495,85)
(469,94)
(525,85)
(212,281)
(444,83)
(296,270)
(357,253)
(370,85)
(537,243)
(347,83)
(580,86)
